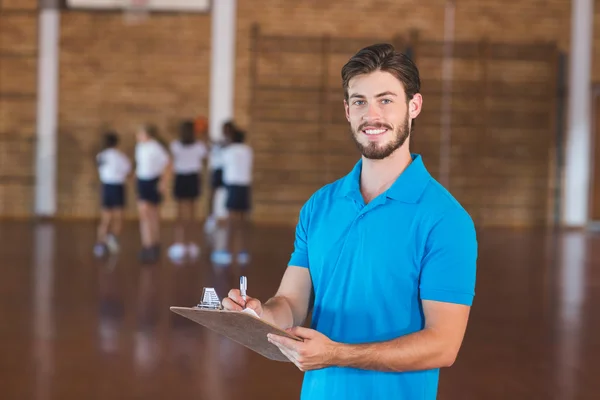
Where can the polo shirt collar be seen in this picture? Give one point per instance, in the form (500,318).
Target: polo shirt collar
(408,187)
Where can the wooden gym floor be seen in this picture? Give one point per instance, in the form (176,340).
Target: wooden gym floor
(76,328)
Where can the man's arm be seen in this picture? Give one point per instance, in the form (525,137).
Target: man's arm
(289,307)
(436,346)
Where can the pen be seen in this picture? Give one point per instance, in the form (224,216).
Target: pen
(243,286)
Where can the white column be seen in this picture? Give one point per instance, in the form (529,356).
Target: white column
(222,64)
(577,157)
(47,110)
(568,322)
(44,329)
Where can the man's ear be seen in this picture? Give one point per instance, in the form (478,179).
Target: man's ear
(347,109)
(415,106)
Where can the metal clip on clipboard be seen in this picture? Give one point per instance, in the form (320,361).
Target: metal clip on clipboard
(210,299)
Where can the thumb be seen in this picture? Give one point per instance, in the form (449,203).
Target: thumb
(304,333)
(254,304)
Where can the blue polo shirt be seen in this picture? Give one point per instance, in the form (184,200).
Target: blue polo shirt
(372,264)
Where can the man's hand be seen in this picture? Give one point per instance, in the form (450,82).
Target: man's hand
(235,302)
(315,352)
(287,308)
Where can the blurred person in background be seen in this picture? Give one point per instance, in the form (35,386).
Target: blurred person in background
(216,172)
(237,178)
(152,169)
(188,155)
(113,168)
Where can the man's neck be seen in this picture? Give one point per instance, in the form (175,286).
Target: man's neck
(378,175)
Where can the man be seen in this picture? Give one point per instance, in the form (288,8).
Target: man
(385,256)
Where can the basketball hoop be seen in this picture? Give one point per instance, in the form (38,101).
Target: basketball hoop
(136,11)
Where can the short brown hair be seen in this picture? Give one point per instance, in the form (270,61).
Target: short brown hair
(383,57)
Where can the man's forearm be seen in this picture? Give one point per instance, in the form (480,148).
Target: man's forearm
(278,310)
(418,351)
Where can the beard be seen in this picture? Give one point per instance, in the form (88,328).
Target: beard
(375,151)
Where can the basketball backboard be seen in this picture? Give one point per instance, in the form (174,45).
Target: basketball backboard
(201,6)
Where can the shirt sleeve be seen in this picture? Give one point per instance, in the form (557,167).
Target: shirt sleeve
(224,155)
(173,147)
(163,154)
(299,257)
(448,267)
(126,163)
(137,153)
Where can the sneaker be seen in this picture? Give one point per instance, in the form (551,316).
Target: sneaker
(243,257)
(113,244)
(177,251)
(100,250)
(221,257)
(193,250)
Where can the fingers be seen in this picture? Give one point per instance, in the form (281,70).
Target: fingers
(233,301)
(283,341)
(230,305)
(290,356)
(236,297)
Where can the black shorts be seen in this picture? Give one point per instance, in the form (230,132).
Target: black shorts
(217,178)
(238,198)
(113,196)
(187,186)
(148,190)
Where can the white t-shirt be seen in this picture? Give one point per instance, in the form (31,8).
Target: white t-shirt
(187,159)
(215,160)
(113,166)
(237,164)
(151,159)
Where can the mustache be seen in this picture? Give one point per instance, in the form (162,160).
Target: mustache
(378,125)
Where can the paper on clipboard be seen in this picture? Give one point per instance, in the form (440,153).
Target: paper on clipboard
(251,312)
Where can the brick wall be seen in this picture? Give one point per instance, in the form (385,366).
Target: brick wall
(493,140)
(118,75)
(18,60)
(533,20)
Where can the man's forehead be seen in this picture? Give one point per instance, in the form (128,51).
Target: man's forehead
(374,83)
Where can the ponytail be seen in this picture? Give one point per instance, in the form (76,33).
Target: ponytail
(152,131)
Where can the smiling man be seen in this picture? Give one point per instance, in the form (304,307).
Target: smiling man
(385,257)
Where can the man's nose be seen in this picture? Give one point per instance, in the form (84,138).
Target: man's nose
(373,113)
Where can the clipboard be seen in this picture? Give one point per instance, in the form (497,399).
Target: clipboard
(240,327)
